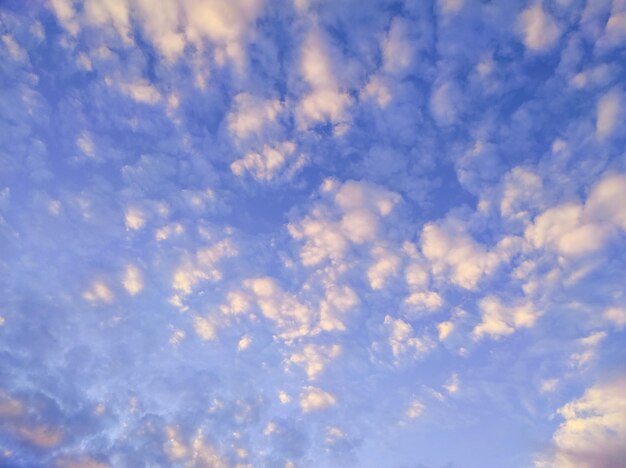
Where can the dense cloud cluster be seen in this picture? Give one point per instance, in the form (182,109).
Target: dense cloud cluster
(312,233)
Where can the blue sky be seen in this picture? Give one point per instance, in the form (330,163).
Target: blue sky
(311,233)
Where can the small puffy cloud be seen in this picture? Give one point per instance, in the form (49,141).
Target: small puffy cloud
(588,350)
(202,266)
(452,385)
(500,320)
(265,164)
(314,358)
(449,7)
(616,315)
(539,29)
(444,329)
(548,385)
(593,431)
(65,13)
(109,12)
(141,91)
(133,280)
(445,103)
(415,409)
(451,251)
(563,229)
(386,264)
(428,300)
(99,292)
(244,343)
(291,318)
(347,214)
(315,399)
(402,339)
(609,112)
(205,328)
(134,218)
(574,229)
(605,201)
(250,115)
(85,144)
(325,101)
(337,302)
(397,47)
(521,195)
(16,52)
(283,397)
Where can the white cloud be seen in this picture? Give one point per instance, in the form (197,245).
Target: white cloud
(244,342)
(415,409)
(64,10)
(539,29)
(109,12)
(449,7)
(292,318)
(522,194)
(134,218)
(593,431)
(386,264)
(403,341)
(326,101)
(315,399)
(616,315)
(548,385)
(609,112)
(588,350)
(251,115)
(397,47)
(265,164)
(133,280)
(99,292)
(337,302)
(574,229)
(141,91)
(17,53)
(455,255)
(205,328)
(452,385)
(445,102)
(348,213)
(85,143)
(500,320)
(314,358)
(202,266)
(428,300)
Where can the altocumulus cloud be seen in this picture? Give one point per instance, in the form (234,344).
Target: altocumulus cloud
(312,233)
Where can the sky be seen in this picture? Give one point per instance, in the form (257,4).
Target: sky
(313,233)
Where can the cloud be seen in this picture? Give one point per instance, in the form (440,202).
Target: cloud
(608,113)
(574,229)
(250,115)
(402,340)
(266,164)
(593,430)
(315,399)
(291,318)
(348,213)
(539,29)
(500,320)
(445,103)
(326,101)
(99,292)
(415,409)
(133,280)
(451,251)
(313,359)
